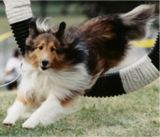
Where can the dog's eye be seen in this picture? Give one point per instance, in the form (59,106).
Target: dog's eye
(40,47)
(52,49)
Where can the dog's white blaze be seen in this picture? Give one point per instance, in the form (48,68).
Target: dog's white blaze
(44,56)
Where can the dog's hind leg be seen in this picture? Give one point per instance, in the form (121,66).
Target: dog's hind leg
(14,113)
(50,111)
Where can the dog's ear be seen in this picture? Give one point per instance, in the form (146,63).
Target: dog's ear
(61,30)
(137,20)
(33,31)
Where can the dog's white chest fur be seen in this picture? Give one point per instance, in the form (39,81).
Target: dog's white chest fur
(60,83)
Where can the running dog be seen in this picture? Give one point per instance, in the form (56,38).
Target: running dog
(61,64)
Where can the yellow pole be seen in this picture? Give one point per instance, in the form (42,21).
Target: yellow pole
(4,36)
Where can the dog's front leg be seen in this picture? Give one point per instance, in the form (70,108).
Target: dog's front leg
(14,113)
(47,113)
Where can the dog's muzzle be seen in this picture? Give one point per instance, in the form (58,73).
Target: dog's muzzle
(44,65)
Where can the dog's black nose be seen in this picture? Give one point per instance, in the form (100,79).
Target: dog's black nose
(44,63)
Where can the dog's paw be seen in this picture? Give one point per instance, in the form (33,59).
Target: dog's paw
(30,124)
(8,122)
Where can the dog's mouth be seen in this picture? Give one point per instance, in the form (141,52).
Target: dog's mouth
(44,68)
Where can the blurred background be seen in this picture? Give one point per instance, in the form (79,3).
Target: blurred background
(73,13)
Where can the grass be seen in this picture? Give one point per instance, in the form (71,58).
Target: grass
(132,115)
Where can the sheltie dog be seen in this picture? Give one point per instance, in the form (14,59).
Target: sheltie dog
(60,65)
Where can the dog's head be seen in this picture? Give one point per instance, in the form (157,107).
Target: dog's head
(42,45)
(46,47)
